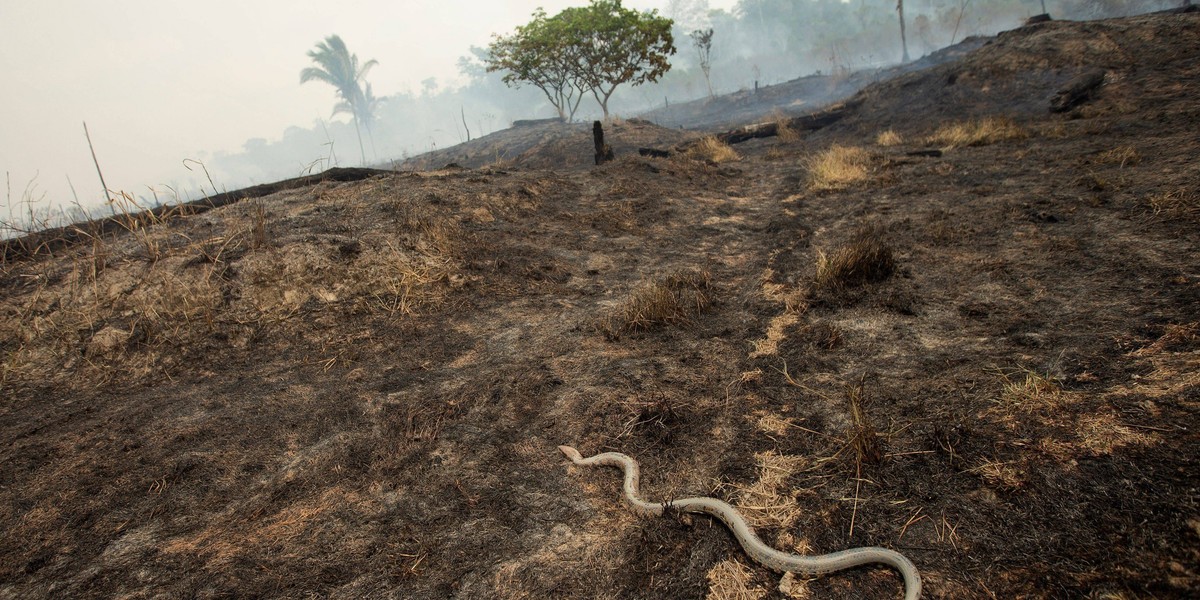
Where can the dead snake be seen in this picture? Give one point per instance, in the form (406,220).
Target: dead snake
(760,552)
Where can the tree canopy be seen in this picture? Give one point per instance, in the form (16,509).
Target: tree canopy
(339,68)
(593,48)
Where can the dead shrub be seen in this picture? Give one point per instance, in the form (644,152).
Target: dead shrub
(838,167)
(654,419)
(712,150)
(980,132)
(676,299)
(867,258)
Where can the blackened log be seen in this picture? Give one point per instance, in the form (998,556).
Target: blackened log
(1077,91)
(654,152)
(809,122)
(532,122)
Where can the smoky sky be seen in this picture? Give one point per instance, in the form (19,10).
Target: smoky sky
(165,86)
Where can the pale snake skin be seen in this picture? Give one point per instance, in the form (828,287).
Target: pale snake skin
(760,552)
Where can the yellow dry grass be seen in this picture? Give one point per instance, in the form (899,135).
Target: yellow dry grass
(888,138)
(672,300)
(768,502)
(979,132)
(867,258)
(838,167)
(713,150)
(783,128)
(1121,155)
(731,580)
(1175,204)
(1029,390)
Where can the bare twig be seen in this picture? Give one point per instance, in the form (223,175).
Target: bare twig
(107,198)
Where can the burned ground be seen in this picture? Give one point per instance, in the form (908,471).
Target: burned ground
(357,389)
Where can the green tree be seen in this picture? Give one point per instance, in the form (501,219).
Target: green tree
(340,69)
(542,54)
(613,45)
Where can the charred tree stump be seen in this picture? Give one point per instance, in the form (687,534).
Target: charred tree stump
(1077,91)
(603,152)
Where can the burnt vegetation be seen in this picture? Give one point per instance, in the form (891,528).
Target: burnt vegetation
(985,357)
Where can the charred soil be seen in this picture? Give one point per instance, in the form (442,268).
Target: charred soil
(986,357)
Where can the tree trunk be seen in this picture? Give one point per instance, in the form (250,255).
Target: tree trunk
(357,131)
(903,39)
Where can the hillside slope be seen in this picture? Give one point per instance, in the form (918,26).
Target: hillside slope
(987,359)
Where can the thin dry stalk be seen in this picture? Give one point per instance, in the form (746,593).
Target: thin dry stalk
(258,225)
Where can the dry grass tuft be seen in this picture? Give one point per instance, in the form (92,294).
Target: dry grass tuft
(676,299)
(1174,337)
(889,138)
(712,150)
(838,167)
(768,502)
(978,133)
(865,259)
(1177,204)
(731,580)
(1030,390)
(783,128)
(1121,155)
(258,224)
(1003,475)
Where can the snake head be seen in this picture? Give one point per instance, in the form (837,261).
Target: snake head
(571,453)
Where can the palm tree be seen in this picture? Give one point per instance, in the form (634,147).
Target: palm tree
(340,69)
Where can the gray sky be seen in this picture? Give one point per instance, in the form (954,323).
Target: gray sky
(159,81)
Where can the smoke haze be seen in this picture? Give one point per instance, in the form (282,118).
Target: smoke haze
(218,82)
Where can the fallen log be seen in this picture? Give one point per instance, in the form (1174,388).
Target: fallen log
(1078,90)
(532,122)
(60,237)
(653,152)
(809,122)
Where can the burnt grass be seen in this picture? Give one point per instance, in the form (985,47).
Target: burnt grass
(364,398)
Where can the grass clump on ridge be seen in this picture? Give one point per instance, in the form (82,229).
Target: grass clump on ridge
(838,167)
(889,138)
(676,299)
(981,132)
(867,258)
(713,150)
